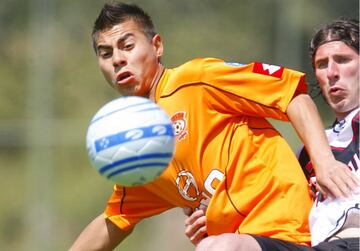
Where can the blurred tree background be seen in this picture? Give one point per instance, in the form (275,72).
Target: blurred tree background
(51,87)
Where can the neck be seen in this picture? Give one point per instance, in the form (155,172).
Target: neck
(340,116)
(152,92)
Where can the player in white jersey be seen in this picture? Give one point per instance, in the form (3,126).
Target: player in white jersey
(334,222)
(335,57)
(331,218)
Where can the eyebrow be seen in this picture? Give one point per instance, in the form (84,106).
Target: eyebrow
(321,59)
(336,55)
(120,40)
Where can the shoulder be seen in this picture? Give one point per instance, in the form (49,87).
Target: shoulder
(187,74)
(199,64)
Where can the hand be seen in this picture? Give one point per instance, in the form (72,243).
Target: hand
(312,188)
(195,225)
(335,179)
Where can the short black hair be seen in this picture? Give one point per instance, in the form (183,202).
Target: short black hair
(343,29)
(115,12)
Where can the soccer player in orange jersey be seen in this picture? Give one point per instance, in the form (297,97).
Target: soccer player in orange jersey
(334,222)
(228,158)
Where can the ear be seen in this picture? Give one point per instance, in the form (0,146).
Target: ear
(158,45)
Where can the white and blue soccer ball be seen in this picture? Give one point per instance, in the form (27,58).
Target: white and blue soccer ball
(130,141)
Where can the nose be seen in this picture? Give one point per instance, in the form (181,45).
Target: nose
(118,59)
(333,72)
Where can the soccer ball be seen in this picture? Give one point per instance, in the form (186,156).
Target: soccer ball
(130,141)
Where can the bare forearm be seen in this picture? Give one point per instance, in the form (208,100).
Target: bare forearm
(333,177)
(100,234)
(304,117)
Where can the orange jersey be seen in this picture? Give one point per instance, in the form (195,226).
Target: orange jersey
(228,157)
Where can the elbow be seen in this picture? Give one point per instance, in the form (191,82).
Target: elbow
(300,102)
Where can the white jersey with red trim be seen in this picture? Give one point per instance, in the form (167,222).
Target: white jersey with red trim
(329,215)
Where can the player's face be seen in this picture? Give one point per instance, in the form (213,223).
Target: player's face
(129,60)
(337,71)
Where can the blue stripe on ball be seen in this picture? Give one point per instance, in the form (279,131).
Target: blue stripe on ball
(132,135)
(135,158)
(153,164)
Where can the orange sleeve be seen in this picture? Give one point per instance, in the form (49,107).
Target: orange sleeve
(255,89)
(128,205)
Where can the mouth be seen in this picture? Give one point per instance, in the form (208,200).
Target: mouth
(124,78)
(335,90)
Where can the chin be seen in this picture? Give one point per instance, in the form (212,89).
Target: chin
(342,109)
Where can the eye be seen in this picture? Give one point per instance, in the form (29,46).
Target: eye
(321,64)
(104,54)
(342,60)
(128,46)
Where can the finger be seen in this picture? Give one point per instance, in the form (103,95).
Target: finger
(340,184)
(196,231)
(352,181)
(312,193)
(322,190)
(346,181)
(191,229)
(330,186)
(187,211)
(193,217)
(199,235)
(335,188)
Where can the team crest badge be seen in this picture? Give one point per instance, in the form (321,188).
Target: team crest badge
(179,125)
